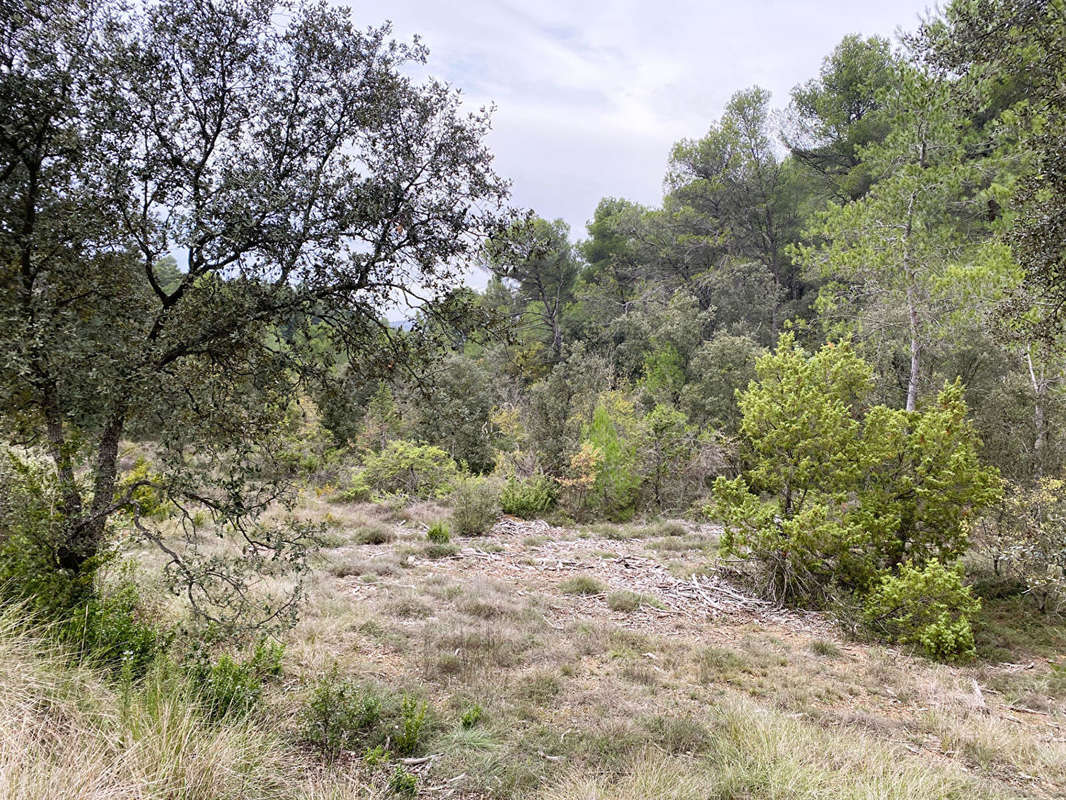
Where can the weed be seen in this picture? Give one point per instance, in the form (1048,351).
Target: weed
(471,716)
(438,533)
(583,585)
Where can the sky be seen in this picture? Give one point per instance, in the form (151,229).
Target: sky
(590,96)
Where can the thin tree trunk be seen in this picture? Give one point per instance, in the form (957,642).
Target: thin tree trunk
(1040,387)
(912,383)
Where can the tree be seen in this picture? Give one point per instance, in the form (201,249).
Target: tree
(899,247)
(538,257)
(734,178)
(1013,54)
(840,492)
(303,178)
(835,116)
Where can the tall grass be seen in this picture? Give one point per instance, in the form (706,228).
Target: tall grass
(760,755)
(66,733)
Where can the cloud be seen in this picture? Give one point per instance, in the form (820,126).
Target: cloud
(591,96)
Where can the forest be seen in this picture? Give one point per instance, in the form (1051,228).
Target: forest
(759,492)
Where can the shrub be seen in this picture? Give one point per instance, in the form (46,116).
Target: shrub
(437,551)
(374,533)
(403,783)
(411,469)
(582,584)
(528,499)
(111,631)
(927,606)
(613,434)
(229,687)
(838,493)
(438,533)
(471,717)
(475,506)
(341,714)
(412,720)
(1026,541)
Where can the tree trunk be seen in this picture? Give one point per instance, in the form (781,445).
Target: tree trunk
(1040,387)
(912,383)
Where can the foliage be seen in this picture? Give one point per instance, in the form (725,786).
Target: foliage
(471,717)
(838,493)
(927,606)
(409,731)
(1026,539)
(415,470)
(232,687)
(340,714)
(310,180)
(403,783)
(529,498)
(438,533)
(613,435)
(475,505)
(113,630)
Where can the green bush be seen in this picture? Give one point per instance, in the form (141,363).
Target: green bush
(838,492)
(928,606)
(229,687)
(340,714)
(414,470)
(530,498)
(403,783)
(111,631)
(471,717)
(475,506)
(438,533)
(409,731)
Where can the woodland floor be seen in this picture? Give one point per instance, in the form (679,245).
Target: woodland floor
(596,651)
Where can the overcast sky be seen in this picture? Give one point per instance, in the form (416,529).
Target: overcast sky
(590,96)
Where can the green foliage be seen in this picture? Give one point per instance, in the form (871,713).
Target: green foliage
(667,444)
(438,533)
(529,498)
(720,368)
(927,606)
(1026,540)
(232,687)
(613,435)
(403,783)
(112,630)
(415,470)
(412,722)
(340,714)
(471,717)
(475,504)
(837,493)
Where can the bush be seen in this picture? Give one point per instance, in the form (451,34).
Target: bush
(412,720)
(928,606)
(438,533)
(475,506)
(839,493)
(230,687)
(581,584)
(407,468)
(471,717)
(1026,541)
(530,498)
(340,714)
(403,783)
(112,632)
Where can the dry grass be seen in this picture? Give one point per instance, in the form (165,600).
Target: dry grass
(66,734)
(589,690)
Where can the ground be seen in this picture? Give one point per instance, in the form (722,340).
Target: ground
(615,661)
